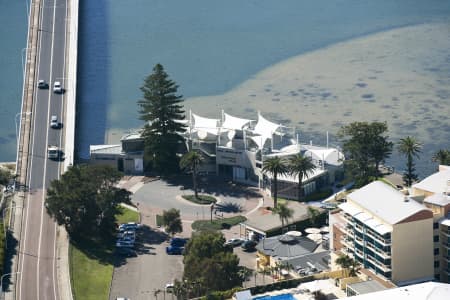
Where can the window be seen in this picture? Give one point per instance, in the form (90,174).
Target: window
(436,238)
(436,264)
(435,225)
(436,251)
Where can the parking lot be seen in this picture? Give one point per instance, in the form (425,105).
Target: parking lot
(139,277)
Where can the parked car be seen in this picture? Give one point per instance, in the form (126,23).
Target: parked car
(128,226)
(249,245)
(170,287)
(129,233)
(176,246)
(124,244)
(234,242)
(42,84)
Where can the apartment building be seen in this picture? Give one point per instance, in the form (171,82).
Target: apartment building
(434,193)
(389,233)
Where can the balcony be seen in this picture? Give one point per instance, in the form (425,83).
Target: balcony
(359,253)
(359,240)
(446,245)
(359,228)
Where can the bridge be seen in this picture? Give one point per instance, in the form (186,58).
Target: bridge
(40,260)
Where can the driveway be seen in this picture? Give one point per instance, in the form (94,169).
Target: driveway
(163,195)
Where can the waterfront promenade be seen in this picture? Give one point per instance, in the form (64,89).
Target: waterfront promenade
(40,260)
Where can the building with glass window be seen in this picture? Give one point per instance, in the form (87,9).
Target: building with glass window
(401,238)
(387,232)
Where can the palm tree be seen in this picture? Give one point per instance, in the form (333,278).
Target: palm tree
(275,166)
(442,157)
(191,161)
(284,212)
(346,262)
(302,166)
(313,214)
(411,148)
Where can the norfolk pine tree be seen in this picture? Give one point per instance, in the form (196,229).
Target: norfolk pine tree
(161,110)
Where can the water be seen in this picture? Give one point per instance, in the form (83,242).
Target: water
(13,32)
(276,297)
(208,47)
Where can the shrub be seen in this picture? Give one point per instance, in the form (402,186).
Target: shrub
(201,199)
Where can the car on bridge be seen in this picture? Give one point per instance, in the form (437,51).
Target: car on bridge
(54,122)
(57,87)
(54,153)
(42,84)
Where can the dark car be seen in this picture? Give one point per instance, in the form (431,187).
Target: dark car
(249,245)
(176,246)
(42,84)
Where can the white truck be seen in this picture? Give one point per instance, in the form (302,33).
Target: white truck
(53,152)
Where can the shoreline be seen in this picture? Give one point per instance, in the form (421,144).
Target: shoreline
(400,76)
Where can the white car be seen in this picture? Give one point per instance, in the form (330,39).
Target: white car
(57,87)
(54,122)
(124,244)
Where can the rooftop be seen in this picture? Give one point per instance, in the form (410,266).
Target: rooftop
(319,260)
(438,199)
(365,287)
(377,196)
(105,149)
(436,183)
(265,220)
(421,291)
(274,247)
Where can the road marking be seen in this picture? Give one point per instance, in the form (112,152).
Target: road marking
(60,145)
(45,156)
(30,162)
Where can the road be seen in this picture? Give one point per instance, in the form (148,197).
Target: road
(37,254)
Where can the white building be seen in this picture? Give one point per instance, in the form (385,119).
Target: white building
(236,148)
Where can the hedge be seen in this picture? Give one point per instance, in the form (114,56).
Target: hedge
(218,224)
(201,199)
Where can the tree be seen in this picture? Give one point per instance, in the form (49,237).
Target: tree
(191,161)
(275,166)
(365,146)
(346,262)
(442,157)
(86,199)
(161,110)
(284,212)
(410,148)
(5,176)
(302,166)
(207,261)
(171,221)
(313,214)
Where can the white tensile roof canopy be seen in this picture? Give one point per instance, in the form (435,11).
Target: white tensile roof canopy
(204,123)
(264,130)
(235,123)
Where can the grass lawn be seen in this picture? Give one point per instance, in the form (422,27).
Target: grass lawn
(91,263)
(127,215)
(217,224)
(91,269)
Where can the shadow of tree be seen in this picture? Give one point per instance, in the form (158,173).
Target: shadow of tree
(10,252)
(213,185)
(228,207)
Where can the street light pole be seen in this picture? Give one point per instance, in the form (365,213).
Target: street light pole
(1,280)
